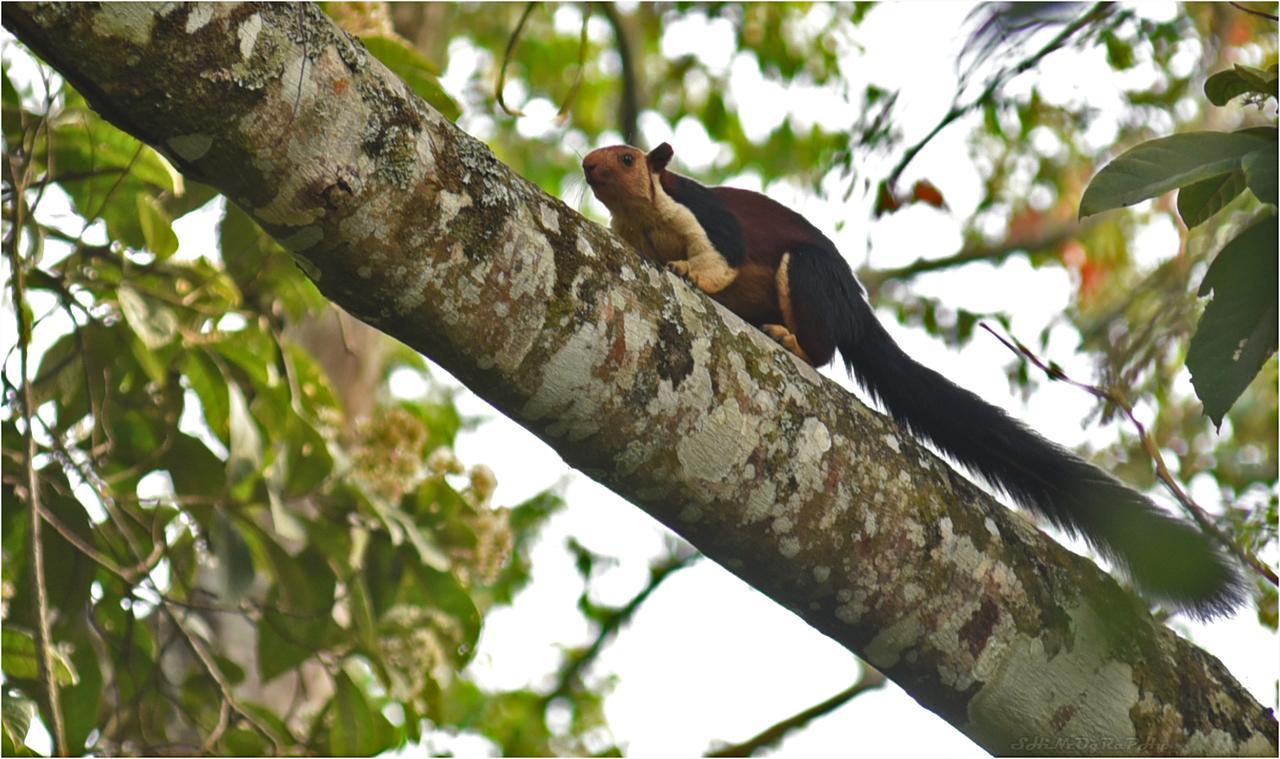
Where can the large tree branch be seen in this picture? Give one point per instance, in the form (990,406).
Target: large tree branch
(646,385)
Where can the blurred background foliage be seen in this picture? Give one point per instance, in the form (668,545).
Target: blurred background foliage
(256,535)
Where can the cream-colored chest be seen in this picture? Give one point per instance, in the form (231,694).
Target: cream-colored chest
(662,230)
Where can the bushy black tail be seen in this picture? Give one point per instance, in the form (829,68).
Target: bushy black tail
(1166,558)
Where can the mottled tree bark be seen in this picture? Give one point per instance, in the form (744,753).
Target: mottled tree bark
(646,385)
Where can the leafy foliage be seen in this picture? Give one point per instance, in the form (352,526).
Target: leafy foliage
(1237,333)
(221,516)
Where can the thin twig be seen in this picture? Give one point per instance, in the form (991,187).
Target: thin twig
(214,671)
(562,115)
(130,575)
(44,637)
(1241,7)
(870,680)
(617,618)
(128,169)
(224,715)
(80,176)
(91,479)
(506,59)
(1166,477)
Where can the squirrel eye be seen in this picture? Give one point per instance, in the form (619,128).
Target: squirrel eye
(628,159)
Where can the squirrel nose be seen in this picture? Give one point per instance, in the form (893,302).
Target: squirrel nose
(588,167)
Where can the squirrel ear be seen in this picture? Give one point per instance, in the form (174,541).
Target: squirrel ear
(659,157)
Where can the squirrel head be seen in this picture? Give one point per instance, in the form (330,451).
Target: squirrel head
(621,175)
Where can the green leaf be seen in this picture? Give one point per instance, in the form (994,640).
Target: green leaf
(1199,201)
(283,522)
(1226,85)
(362,615)
(441,419)
(62,378)
(244,742)
(307,459)
(358,729)
(1157,166)
(18,658)
(254,352)
(153,322)
(1119,52)
(194,469)
(211,388)
(245,450)
(148,360)
(423,542)
(11,120)
(157,227)
(1260,172)
(16,712)
(195,195)
(284,644)
(297,619)
(82,702)
(1238,330)
(235,569)
(416,71)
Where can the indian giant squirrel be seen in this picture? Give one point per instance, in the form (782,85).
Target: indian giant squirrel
(773,268)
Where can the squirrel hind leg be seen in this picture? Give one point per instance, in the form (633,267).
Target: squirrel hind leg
(806,328)
(787,339)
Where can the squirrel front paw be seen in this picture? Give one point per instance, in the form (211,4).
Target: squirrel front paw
(709,274)
(681,269)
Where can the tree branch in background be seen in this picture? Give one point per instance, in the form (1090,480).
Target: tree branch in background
(629,101)
(506,60)
(1054,372)
(614,619)
(1051,237)
(1097,12)
(870,680)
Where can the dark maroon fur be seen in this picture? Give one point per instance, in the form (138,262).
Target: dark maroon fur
(1165,556)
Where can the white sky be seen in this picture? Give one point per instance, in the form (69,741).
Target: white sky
(707,657)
